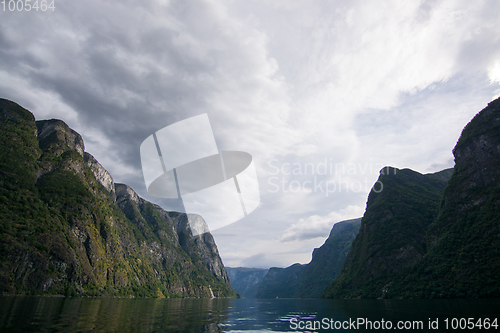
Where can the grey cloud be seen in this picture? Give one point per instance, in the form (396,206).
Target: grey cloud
(5,42)
(101,85)
(435,167)
(129,69)
(131,72)
(308,234)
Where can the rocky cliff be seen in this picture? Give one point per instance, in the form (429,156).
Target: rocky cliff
(67,228)
(309,280)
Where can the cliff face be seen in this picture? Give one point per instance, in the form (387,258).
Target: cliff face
(201,248)
(173,238)
(392,233)
(66,227)
(309,280)
(100,174)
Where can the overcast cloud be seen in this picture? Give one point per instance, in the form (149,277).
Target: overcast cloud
(317,226)
(350,86)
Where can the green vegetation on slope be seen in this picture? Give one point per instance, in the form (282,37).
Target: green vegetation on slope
(62,232)
(328,260)
(392,233)
(464,242)
(460,257)
(281,282)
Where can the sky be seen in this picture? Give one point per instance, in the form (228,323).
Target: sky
(321,94)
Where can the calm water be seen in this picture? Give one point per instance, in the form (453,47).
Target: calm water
(47,314)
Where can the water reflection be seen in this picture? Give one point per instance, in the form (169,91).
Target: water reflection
(112,315)
(47,314)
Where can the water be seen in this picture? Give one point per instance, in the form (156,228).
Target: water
(50,314)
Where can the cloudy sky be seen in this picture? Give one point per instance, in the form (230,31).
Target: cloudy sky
(322,94)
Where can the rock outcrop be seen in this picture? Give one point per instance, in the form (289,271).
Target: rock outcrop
(56,137)
(101,175)
(200,244)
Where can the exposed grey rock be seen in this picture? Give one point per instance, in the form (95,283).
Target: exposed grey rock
(201,245)
(55,135)
(101,174)
(125,192)
(196,225)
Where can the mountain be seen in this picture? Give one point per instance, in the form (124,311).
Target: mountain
(309,280)
(246,280)
(67,228)
(400,208)
(328,260)
(281,282)
(463,259)
(414,243)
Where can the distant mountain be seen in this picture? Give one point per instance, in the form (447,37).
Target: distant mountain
(413,245)
(328,260)
(67,228)
(246,280)
(281,282)
(309,280)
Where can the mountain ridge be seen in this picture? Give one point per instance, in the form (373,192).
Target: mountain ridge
(392,233)
(309,280)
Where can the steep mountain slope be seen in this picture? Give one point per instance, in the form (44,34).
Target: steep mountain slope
(309,280)
(460,256)
(65,227)
(328,260)
(246,280)
(400,208)
(464,242)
